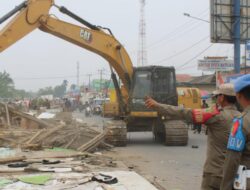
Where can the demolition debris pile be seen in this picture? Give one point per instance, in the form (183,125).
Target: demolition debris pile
(54,154)
(28,132)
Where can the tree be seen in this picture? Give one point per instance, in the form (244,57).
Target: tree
(45,91)
(72,87)
(65,83)
(6,85)
(22,94)
(60,90)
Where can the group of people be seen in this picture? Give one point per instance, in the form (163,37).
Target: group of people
(228,132)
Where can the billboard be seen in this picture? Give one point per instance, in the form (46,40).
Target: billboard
(215,64)
(222,21)
(247,53)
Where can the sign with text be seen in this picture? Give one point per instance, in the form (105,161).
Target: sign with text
(215,65)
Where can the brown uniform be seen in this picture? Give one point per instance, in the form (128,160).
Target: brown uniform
(236,158)
(218,124)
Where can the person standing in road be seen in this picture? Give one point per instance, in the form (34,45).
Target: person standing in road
(204,104)
(239,140)
(218,123)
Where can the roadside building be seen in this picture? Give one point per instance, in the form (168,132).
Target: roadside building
(204,82)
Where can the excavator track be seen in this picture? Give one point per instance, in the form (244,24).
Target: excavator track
(116,133)
(176,133)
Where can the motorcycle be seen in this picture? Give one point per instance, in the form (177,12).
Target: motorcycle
(87,111)
(81,107)
(97,110)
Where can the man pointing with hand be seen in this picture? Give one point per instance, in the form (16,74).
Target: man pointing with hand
(218,122)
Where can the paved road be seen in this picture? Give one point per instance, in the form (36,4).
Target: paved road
(175,168)
(93,120)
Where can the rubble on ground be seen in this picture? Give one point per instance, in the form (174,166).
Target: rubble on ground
(57,152)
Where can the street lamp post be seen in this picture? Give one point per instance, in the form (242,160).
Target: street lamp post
(236,33)
(188,15)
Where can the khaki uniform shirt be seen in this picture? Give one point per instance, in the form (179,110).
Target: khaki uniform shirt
(218,126)
(234,159)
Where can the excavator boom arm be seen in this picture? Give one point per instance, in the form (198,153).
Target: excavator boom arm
(36,15)
(24,22)
(95,41)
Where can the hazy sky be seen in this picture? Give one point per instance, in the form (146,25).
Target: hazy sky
(41,60)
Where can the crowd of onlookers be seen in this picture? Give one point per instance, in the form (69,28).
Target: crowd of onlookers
(31,104)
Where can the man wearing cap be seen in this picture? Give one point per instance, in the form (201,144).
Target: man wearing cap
(218,124)
(238,147)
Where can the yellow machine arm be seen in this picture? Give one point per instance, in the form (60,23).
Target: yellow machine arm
(35,14)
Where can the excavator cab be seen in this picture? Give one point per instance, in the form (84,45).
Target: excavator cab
(157,82)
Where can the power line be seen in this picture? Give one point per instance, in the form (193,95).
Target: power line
(176,31)
(105,73)
(57,77)
(44,78)
(168,35)
(175,36)
(187,62)
(218,50)
(181,52)
(189,67)
(202,50)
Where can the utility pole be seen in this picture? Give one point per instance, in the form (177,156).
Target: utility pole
(236,35)
(89,75)
(101,73)
(77,73)
(142,52)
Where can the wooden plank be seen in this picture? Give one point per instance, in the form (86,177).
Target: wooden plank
(12,159)
(33,137)
(7,170)
(27,116)
(51,131)
(72,140)
(93,143)
(62,156)
(9,140)
(7,115)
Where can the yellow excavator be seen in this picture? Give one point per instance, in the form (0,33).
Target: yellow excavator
(136,83)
